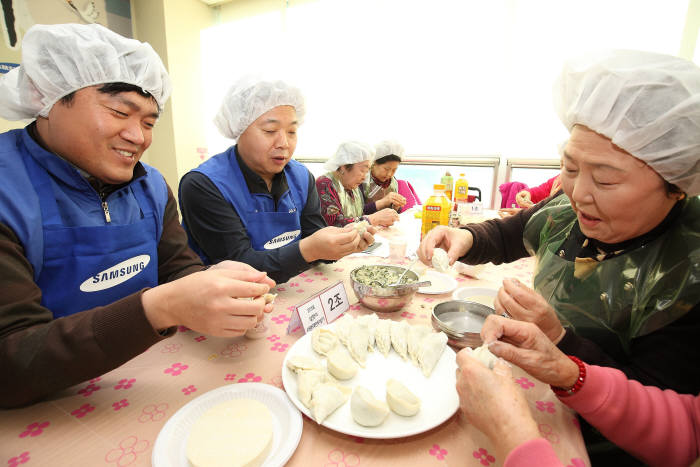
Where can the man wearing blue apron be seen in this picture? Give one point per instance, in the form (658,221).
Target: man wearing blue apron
(91,249)
(252,203)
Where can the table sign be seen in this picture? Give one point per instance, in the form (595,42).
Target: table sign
(320,309)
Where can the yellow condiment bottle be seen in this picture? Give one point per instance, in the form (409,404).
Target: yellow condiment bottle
(436,211)
(448,182)
(461,190)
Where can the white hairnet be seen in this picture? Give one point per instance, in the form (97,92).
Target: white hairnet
(648,104)
(251,97)
(61,58)
(388,148)
(349,152)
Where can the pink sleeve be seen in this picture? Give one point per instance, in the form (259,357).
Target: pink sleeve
(541,192)
(536,453)
(659,427)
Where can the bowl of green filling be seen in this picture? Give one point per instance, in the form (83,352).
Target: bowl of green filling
(373,287)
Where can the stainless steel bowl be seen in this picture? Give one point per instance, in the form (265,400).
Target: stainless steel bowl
(461,320)
(384,299)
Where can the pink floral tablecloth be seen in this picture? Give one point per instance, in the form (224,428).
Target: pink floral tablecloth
(114,419)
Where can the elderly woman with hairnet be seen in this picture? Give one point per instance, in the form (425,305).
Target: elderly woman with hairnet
(342,199)
(383,188)
(253,203)
(617,281)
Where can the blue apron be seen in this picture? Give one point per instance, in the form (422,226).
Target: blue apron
(268,226)
(86,267)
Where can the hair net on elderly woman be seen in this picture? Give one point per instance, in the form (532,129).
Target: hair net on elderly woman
(389,148)
(349,152)
(62,58)
(249,98)
(648,104)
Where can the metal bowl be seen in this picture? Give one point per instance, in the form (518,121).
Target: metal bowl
(461,320)
(384,299)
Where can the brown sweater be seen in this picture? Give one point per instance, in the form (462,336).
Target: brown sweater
(41,355)
(666,358)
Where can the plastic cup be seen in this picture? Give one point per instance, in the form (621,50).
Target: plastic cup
(397,249)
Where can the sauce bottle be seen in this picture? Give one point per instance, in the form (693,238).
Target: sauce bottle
(448,182)
(461,190)
(436,211)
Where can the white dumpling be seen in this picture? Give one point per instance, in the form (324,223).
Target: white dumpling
(400,399)
(440,261)
(366,409)
(303,362)
(371,320)
(399,331)
(484,355)
(430,351)
(325,399)
(358,341)
(323,340)
(416,333)
(307,381)
(340,363)
(382,336)
(342,327)
(361,227)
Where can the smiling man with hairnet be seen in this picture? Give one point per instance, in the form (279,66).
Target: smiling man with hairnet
(94,265)
(253,203)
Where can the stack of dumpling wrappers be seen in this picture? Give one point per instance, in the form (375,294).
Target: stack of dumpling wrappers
(346,348)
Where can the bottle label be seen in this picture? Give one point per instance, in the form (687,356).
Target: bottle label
(433,208)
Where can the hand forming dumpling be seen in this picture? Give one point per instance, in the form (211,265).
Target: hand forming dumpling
(400,399)
(430,351)
(340,363)
(323,340)
(326,398)
(440,261)
(361,227)
(366,409)
(399,331)
(416,333)
(484,355)
(382,336)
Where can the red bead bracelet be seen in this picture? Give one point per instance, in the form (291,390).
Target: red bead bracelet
(561,392)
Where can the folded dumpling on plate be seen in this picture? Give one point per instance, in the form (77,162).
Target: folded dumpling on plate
(307,381)
(416,333)
(371,320)
(340,364)
(358,341)
(484,355)
(366,409)
(382,336)
(323,340)
(342,327)
(400,399)
(303,362)
(326,398)
(399,334)
(430,351)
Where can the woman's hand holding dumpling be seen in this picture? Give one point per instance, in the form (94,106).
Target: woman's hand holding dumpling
(517,300)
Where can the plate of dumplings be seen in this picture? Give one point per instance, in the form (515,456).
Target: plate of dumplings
(373,378)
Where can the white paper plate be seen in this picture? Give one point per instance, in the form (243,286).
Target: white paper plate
(170,447)
(438,395)
(482,295)
(441,283)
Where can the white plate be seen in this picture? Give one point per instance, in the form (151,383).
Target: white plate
(441,283)
(170,447)
(438,395)
(481,295)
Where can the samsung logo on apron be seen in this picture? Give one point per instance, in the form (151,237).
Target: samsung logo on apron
(281,240)
(115,275)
